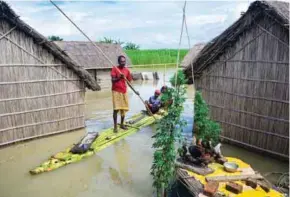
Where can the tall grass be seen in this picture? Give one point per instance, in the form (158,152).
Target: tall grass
(158,56)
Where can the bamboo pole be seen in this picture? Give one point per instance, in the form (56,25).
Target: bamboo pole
(248,79)
(30,65)
(40,123)
(40,136)
(41,109)
(36,81)
(250,113)
(34,56)
(8,32)
(246,96)
(233,178)
(233,55)
(255,147)
(255,130)
(100,50)
(254,61)
(269,33)
(40,96)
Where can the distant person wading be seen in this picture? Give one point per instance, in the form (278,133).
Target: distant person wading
(119,91)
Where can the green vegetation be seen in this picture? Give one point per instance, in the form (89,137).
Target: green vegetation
(168,132)
(131,46)
(126,46)
(110,41)
(204,127)
(55,38)
(158,56)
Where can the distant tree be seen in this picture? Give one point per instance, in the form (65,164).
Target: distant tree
(111,41)
(106,40)
(131,46)
(55,38)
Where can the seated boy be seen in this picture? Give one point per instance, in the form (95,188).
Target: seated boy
(154,103)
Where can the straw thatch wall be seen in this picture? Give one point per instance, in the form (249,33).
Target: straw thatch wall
(244,77)
(42,90)
(89,57)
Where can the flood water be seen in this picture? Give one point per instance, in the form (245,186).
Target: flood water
(122,169)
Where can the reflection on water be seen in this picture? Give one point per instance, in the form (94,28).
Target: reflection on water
(122,170)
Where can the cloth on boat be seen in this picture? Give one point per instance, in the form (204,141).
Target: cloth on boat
(120,102)
(85,143)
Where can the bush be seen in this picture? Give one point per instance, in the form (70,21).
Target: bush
(204,128)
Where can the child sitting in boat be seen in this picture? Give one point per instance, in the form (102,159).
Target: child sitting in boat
(154,102)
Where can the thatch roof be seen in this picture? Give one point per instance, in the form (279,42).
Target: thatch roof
(192,54)
(10,16)
(89,57)
(276,9)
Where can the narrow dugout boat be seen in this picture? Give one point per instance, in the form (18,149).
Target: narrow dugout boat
(103,140)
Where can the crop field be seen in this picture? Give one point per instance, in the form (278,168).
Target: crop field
(158,56)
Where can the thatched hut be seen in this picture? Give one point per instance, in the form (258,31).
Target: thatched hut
(42,89)
(192,53)
(89,57)
(244,77)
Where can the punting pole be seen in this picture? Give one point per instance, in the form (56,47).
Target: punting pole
(100,50)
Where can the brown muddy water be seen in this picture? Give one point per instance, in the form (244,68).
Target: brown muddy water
(122,170)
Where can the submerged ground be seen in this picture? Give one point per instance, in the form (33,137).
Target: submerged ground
(120,170)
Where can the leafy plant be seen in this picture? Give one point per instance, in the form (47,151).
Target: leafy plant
(205,128)
(55,38)
(180,79)
(131,46)
(168,132)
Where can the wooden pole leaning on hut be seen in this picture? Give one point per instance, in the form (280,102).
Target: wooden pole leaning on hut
(100,50)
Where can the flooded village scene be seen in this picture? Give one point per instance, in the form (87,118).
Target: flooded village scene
(144,98)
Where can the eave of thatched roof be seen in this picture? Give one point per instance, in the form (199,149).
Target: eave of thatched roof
(89,57)
(192,54)
(211,51)
(10,16)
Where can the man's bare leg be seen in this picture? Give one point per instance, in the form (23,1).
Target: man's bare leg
(122,121)
(115,116)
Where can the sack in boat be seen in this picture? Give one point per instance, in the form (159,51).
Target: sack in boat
(85,144)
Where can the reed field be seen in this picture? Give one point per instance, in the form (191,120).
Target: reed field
(157,56)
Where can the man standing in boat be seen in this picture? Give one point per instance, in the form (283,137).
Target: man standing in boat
(119,91)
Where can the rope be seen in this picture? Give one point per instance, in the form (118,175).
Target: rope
(180,38)
(100,50)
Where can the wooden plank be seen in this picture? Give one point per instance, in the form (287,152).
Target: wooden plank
(233,178)
(195,169)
